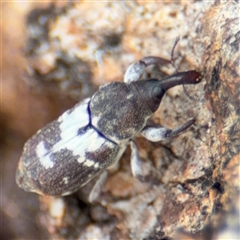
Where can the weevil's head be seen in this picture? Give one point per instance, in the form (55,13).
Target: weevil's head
(153,90)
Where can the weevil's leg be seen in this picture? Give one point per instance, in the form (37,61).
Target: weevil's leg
(96,190)
(158,133)
(137,165)
(135,70)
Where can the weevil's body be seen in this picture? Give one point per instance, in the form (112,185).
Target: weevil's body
(90,137)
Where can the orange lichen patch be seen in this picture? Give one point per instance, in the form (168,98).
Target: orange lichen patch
(123,185)
(231,173)
(190,217)
(108,70)
(45,63)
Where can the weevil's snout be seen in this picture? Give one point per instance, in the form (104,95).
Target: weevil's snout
(153,90)
(189,77)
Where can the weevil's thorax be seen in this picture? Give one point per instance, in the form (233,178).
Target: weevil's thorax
(118,111)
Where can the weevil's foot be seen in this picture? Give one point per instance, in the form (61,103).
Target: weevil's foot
(180,129)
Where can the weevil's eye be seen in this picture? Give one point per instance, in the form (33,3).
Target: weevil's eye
(157,93)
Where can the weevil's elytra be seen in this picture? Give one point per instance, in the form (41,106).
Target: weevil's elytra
(87,139)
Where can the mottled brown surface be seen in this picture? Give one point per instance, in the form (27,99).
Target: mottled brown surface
(193,187)
(221,28)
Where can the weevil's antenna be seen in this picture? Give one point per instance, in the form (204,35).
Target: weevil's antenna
(172,53)
(173,63)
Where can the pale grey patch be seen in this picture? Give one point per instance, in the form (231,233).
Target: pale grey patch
(44,157)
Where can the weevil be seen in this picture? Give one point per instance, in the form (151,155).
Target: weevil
(91,137)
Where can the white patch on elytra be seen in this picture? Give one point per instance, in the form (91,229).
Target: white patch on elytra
(74,119)
(70,123)
(88,163)
(96,165)
(65,180)
(43,155)
(81,159)
(89,141)
(129,96)
(97,143)
(95,120)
